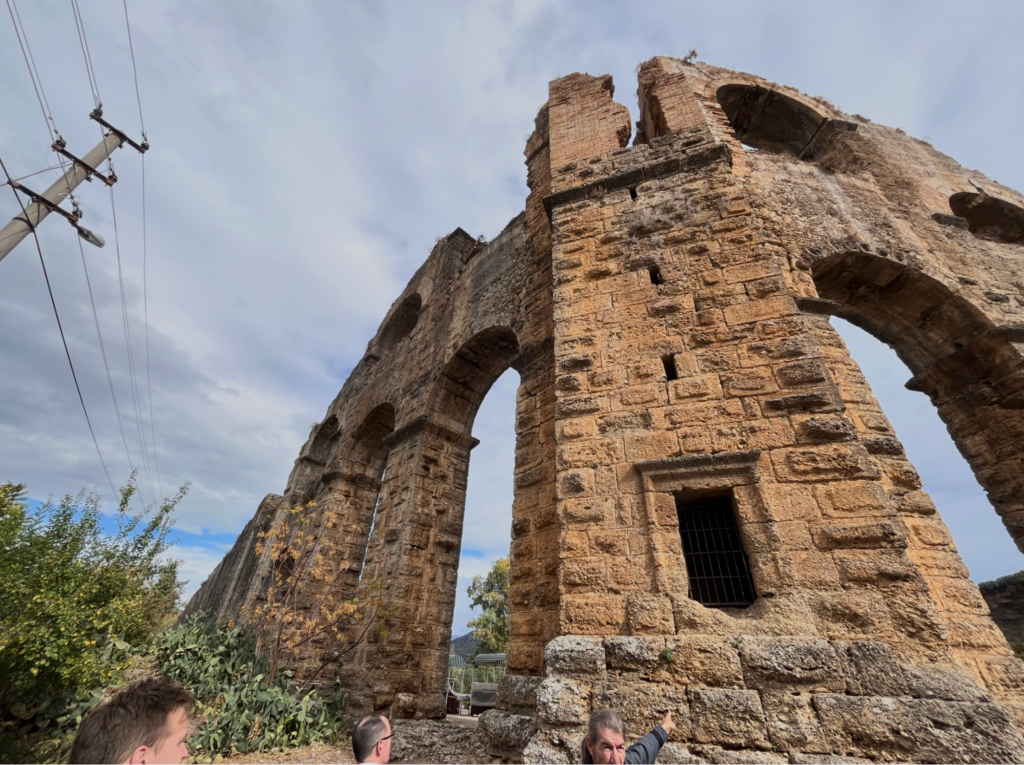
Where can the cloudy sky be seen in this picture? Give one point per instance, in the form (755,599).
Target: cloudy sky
(305,156)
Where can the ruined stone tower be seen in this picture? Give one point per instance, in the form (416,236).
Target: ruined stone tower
(712,514)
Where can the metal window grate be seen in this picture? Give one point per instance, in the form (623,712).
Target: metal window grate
(715,560)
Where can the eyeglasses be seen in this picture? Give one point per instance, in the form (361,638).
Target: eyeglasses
(384,739)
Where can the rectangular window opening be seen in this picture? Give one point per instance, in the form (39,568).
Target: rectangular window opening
(716,562)
(656,277)
(670,367)
(632,192)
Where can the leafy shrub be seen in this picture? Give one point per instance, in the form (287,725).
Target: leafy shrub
(74,602)
(490,594)
(245,711)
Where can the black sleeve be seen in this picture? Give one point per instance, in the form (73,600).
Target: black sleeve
(646,749)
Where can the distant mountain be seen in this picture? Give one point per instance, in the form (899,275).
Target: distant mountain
(465,646)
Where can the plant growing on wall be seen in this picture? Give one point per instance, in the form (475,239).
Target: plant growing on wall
(304,611)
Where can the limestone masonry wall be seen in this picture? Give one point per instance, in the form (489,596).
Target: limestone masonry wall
(667,306)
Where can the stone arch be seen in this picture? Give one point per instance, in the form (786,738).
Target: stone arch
(768,119)
(402,322)
(367,452)
(970,368)
(989,217)
(326,435)
(469,374)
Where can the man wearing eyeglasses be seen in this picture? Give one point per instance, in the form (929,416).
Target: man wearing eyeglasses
(371,740)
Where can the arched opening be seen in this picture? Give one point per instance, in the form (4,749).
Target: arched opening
(368,448)
(766,119)
(979,534)
(470,373)
(488,518)
(326,434)
(402,322)
(969,369)
(989,217)
(352,489)
(479,369)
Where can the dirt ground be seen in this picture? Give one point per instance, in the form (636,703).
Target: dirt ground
(415,741)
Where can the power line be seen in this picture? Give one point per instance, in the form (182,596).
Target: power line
(60,327)
(131,353)
(18,31)
(145,290)
(135,71)
(83,41)
(37,81)
(37,172)
(103,352)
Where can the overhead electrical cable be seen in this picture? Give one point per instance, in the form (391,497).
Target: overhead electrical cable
(135,70)
(37,81)
(60,327)
(103,352)
(131,353)
(37,172)
(145,290)
(83,41)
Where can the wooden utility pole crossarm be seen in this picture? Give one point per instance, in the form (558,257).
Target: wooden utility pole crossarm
(19,228)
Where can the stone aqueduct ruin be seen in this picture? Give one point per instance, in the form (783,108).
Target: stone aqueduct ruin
(667,305)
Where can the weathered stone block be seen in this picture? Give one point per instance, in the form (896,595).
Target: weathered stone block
(728,718)
(517,694)
(830,536)
(871,669)
(506,735)
(701,660)
(792,722)
(632,653)
(563,701)
(740,756)
(933,681)
(790,663)
(649,614)
(643,705)
(575,656)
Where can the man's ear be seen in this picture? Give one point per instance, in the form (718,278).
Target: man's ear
(139,756)
(586,743)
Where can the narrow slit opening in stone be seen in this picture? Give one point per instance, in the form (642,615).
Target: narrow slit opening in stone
(670,367)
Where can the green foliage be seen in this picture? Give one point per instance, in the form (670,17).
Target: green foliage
(74,601)
(668,656)
(245,711)
(490,594)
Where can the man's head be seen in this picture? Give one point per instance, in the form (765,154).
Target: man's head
(371,740)
(606,738)
(146,722)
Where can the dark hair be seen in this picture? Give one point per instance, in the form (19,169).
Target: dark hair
(605,719)
(139,715)
(368,732)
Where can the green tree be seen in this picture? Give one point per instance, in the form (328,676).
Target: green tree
(74,598)
(490,594)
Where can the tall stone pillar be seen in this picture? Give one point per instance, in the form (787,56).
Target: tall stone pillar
(414,554)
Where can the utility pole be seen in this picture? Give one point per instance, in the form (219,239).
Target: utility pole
(49,201)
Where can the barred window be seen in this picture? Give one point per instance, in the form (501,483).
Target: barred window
(715,560)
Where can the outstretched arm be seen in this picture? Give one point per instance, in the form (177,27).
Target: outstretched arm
(646,749)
